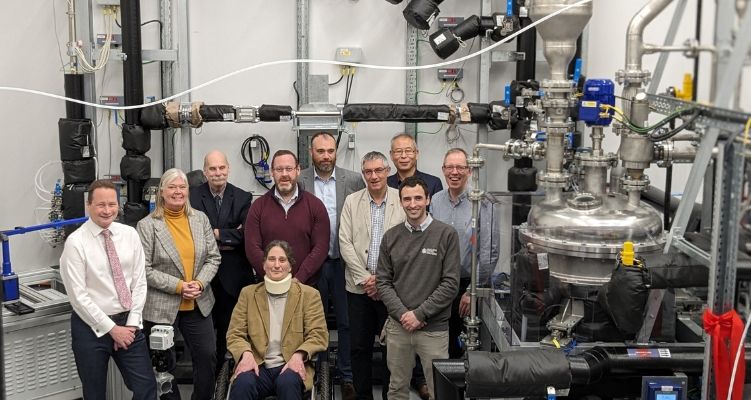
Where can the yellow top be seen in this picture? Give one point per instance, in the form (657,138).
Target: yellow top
(686,92)
(627,254)
(179,228)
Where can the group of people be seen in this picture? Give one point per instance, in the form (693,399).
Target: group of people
(390,254)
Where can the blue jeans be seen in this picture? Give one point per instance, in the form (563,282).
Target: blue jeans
(93,353)
(268,382)
(332,288)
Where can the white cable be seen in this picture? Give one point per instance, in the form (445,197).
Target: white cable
(39,188)
(305,61)
(737,356)
(104,52)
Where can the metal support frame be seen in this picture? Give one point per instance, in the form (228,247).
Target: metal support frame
(483,86)
(167,73)
(181,78)
(728,174)
(653,308)
(175,75)
(85,32)
(303,32)
(410,92)
(680,7)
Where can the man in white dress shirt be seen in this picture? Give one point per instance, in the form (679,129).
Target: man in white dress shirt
(104,273)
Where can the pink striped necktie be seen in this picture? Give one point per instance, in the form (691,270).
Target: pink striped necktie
(123,292)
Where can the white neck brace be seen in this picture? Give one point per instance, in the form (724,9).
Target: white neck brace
(278,287)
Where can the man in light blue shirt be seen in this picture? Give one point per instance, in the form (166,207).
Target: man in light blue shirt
(331,185)
(452,206)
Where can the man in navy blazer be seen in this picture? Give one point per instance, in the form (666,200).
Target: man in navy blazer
(331,185)
(227,207)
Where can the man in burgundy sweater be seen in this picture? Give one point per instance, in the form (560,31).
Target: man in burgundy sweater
(287,213)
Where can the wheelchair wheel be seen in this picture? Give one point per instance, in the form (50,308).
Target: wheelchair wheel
(323,380)
(221,389)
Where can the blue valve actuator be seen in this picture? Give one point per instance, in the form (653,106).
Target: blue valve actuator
(507,94)
(509,8)
(597,92)
(577,70)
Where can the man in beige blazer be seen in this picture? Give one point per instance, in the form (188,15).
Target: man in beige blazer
(366,215)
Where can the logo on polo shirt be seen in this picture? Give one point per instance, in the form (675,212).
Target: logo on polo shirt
(430,252)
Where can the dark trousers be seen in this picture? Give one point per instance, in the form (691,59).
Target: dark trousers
(198,333)
(268,382)
(332,288)
(93,353)
(221,314)
(366,318)
(456,323)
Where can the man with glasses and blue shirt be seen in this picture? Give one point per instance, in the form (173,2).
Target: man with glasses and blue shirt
(453,207)
(332,185)
(295,216)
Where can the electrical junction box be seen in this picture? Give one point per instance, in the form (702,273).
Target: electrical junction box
(120,100)
(117,39)
(664,387)
(449,22)
(597,93)
(349,55)
(112,100)
(450,74)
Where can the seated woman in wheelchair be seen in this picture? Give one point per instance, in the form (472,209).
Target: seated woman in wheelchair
(277,327)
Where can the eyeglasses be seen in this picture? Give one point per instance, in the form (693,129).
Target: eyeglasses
(459,168)
(280,170)
(406,152)
(377,171)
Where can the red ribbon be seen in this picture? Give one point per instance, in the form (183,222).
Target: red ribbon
(726,331)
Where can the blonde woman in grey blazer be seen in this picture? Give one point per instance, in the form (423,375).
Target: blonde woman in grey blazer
(181,259)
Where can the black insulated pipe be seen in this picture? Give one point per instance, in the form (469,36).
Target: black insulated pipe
(395,112)
(74,90)
(528,372)
(444,41)
(600,362)
(130,11)
(448,379)
(524,372)
(133,63)
(419,13)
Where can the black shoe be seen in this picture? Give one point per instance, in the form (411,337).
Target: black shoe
(348,391)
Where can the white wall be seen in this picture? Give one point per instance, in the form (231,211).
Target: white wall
(229,34)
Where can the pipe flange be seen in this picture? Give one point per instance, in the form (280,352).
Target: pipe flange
(560,127)
(518,149)
(591,160)
(548,84)
(620,129)
(635,165)
(628,77)
(553,180)
(629,184)
(584,201)
(475,162)
(556,102)
(476,195)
